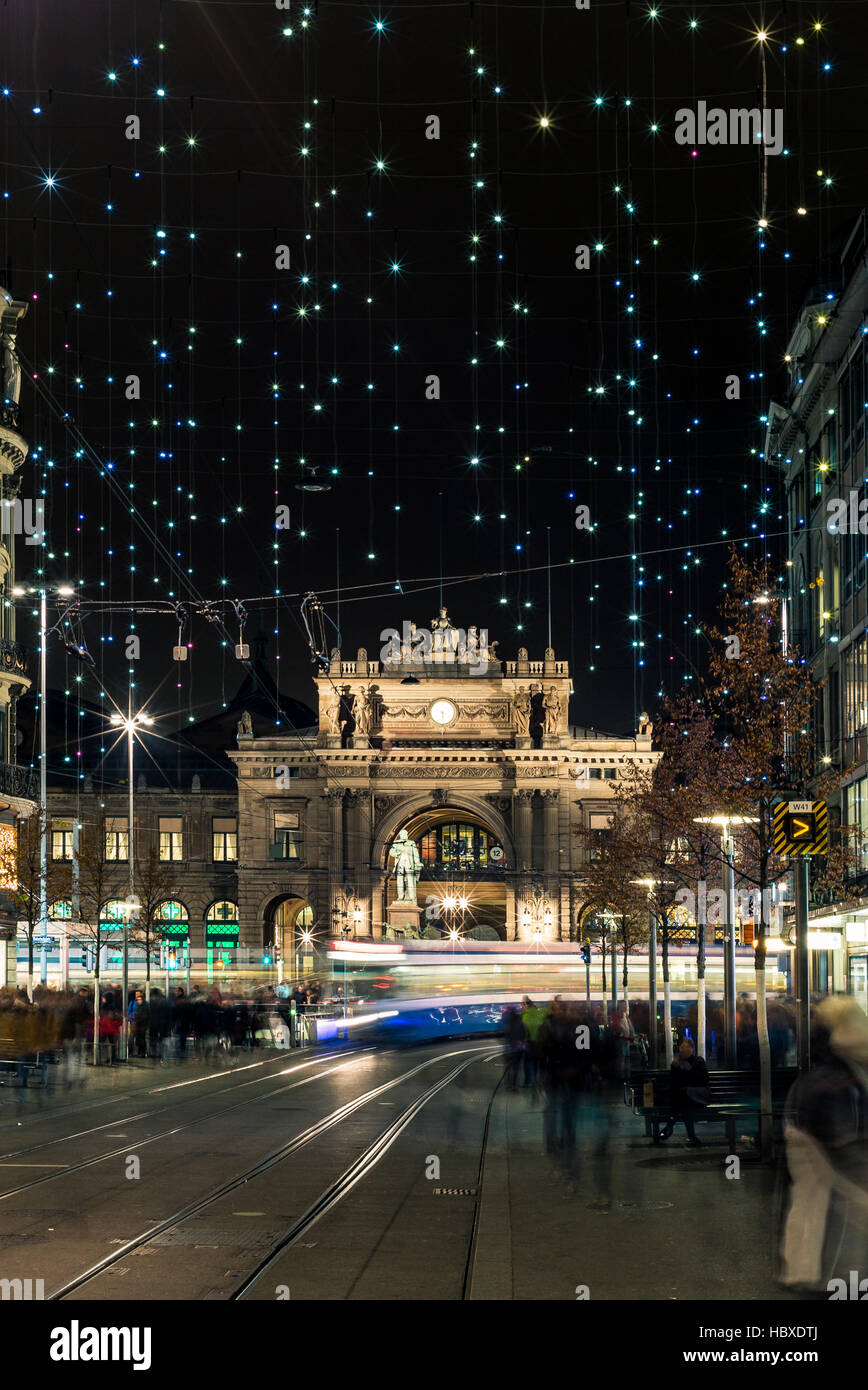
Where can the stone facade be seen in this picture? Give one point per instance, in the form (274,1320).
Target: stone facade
(421,744)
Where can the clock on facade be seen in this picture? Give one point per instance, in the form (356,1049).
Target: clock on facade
(442,711)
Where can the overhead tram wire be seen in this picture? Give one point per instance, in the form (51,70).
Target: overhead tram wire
(429,582)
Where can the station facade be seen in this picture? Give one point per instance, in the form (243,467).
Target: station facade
(472,756)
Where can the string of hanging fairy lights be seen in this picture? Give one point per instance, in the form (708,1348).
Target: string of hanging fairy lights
(631,276)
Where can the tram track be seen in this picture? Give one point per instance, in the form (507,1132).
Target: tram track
(177,1129)
(344,1185)
(81,1106)
(329,1198)
(159,1110)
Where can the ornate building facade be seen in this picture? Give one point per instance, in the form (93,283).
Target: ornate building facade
(18,785)
(472,756)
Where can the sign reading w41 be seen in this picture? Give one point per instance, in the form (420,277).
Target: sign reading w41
(800,828)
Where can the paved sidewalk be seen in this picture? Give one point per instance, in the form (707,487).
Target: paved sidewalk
(626,1218)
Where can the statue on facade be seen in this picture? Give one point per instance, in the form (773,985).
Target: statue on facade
(245,726)
(551,711)
(407,866)
(11,388)
(329,710)
(521,711)
(362,711)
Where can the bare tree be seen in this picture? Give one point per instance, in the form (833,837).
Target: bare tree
(21,877)
(155,881)
(98,883)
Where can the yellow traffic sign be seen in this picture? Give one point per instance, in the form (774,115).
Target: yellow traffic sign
(800,828)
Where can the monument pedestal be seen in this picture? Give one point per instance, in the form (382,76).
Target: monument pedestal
(405,917)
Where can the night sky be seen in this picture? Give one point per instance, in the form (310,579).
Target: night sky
(158,258)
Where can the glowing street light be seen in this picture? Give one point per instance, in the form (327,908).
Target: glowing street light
(129,725)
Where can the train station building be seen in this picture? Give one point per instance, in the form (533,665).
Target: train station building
(274,826)
(438,741)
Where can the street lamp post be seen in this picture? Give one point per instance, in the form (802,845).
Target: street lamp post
(727,854)
(129,726)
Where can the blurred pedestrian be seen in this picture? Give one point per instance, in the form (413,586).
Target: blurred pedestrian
(561,1072)
(624,1036)
(516,1039)
(533,1017)
(825,1233)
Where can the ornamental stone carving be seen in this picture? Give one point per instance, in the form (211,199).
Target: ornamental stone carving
(334,795)
(486,711)
(436,773)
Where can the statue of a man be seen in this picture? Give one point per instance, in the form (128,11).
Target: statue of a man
(521,711)
(551,711)
(245,726)
(407,866)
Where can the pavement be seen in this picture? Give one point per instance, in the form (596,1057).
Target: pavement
(620,1218)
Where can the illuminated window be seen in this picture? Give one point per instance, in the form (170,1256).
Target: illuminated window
(171,921)
(113,913)
(117,838)
(221,925)
(224,839)
(171,838)
(287,835)
(61,839)
(460,846)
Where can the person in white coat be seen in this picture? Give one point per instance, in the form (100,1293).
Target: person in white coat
(825,1230)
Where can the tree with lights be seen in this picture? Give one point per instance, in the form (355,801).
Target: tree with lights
(21,881)
(618,913)
(96,886)
(763,702)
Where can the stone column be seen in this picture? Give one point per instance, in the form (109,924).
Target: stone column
(511,909)
(335,801)
(523,829)
(551,843)
(360,854)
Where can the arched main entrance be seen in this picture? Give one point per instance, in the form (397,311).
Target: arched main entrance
(288,929)
(465,863)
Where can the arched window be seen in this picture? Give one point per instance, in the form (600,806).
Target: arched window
(61,911)
(221,925)
(113,914)
(172,921)
(460,846)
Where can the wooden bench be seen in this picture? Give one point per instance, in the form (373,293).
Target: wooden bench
(735,1097)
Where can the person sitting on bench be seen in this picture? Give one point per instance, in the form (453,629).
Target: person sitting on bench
(688,1091)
